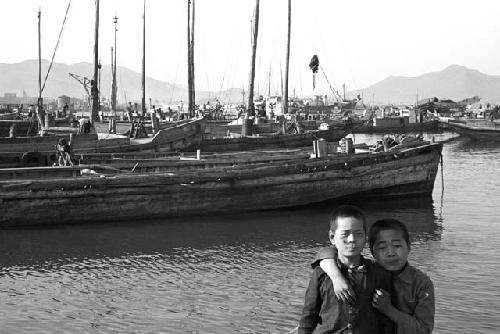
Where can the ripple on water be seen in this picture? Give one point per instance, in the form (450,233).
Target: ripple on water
(248,273)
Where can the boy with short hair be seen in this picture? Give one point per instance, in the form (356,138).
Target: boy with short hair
(413,305)
(322,310)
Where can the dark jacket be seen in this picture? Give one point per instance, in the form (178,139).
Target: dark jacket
(325,313)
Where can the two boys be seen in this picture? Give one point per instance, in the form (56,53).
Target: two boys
(322,310)
(409,303)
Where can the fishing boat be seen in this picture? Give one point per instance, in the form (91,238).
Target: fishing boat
(479,129)
(396,125)
(41,150)
(276,140)
(211,185)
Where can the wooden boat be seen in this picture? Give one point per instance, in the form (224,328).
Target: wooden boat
(18,127)
(378,126)
(480,129)
(40,150)
(9,115)
(221,129)
(51,195)
(267,141)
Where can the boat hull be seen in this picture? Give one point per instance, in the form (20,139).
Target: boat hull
(181,136)
(217,190)
(406,128)
(272,141)
(476,129)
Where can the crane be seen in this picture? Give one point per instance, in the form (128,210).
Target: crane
(85,82)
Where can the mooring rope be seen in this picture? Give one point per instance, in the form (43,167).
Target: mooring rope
(442,176)
(334,91)
(57,45)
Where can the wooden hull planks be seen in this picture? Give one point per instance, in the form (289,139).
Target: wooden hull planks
(407,128)
(476,129)
(217,190)
(178,137)
(272,141)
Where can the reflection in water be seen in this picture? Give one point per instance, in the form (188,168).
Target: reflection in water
(248,273)
(469,145)
(305,225)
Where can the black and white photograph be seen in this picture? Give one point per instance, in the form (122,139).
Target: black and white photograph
(247,166)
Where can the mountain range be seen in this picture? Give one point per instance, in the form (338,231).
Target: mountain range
(454,82)
(22,78)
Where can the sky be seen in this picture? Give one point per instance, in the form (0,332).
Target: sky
(358,42)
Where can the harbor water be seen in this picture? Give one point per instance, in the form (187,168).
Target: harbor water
(248,273)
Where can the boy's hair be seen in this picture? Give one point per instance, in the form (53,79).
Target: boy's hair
(384,225)
(346,211)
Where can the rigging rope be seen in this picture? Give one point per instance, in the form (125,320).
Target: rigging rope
(57,45)
(335,93)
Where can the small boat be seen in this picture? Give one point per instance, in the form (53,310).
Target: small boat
(396,125)
(40,150)
(211,185)
(480,129)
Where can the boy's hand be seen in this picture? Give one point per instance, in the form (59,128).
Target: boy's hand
(382,301)
(343,290)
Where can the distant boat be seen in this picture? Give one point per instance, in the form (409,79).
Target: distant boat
(40,150)
(269,134)
(479,129)
(141,188)
(276,140)
(396,125)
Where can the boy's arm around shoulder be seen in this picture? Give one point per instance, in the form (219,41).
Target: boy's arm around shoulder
(326,258)
(324,253)
(312,304)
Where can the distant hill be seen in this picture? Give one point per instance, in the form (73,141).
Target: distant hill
(23,76)
(454,82)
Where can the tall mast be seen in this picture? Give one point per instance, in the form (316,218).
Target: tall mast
(190,44)
(250,105)
(143,81)
(189,53)
(39,58)
(193,100)
(113,63)
(94,90)
(269,83)
(112,79)
(99,67)
(287,63)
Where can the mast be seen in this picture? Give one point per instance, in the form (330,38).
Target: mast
(94,90)
(190,35)
(112,79)
(193,100)
(39,58)
(143,80)
(189,53)
(287,63)
(113,64)
(99,67)
(269,83)
(250,104)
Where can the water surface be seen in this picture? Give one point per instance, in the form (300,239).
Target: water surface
(248,273)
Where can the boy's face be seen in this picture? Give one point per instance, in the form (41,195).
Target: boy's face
(349,237)
(390,250)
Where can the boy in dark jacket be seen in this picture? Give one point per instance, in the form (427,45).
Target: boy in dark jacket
(322,310)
